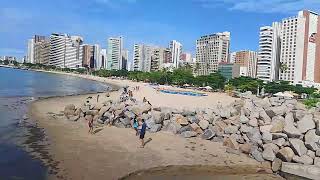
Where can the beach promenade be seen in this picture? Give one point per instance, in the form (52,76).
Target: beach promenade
(113,152)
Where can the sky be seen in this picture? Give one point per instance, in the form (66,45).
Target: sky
(153,22)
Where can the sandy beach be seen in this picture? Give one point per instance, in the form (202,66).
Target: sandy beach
(112,153)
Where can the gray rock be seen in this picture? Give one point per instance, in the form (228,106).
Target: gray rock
(149,122)
(193,119)
(312,140)
(245,148)
(298,114)
(318,153)
(217,139)
(278,110)
(204,124)
(155,128)
(279,135)
(266,137)
(311,154)
(253,122)
(298,146)
(187,112)
(173,127)
(244,128)
(255,136)
(301,170)
(291,131)
(264,116)
(306,123)
(270,113)
(265,128)
(285,154)
(303,159)
(289,118)
(268,154)
(263,103)
(158,117)
(277,124)
(185,128)
(256,154)
(231,142)
(188,134)
(244,119)
(231,129)
(208,134)
(276,164)
(317,161)
(274,147)
(280,141)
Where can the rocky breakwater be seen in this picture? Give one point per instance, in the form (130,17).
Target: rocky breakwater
(273,130)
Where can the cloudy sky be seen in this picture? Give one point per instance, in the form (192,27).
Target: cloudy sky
(142,21)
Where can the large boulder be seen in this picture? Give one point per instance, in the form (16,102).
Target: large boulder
(279,110)
(299,114)
(266,128)
(231,142)
(264,116)
(185,128)
(253,122)
(155,128)
(312,141)
(181,120)
(266,137)
(291,130)
(268,154)
(158,116)
(129,115)
(208,134)
(188,134)
(277,124)
(256,154)
(204,124)
(140,109)
(255,136)
(231,129)
(276,164)
(245,148)
(303,159)
(274,147)
(244,119)
(306,123)
(263,103)
(193,119)
(285,154)
(173,127)
(280,142)
(244,128)
(317,161)
(298,146)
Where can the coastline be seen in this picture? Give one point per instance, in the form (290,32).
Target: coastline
(113,152)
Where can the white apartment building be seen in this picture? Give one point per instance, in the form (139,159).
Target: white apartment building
(115,46)
(103,58)
(232,57)
(212,50)
(269,53)
(30,55)
(176,51)
(142,57)
(65,51)
(247,61)
(97,57)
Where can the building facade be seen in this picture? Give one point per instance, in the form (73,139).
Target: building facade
(229,70)
(212,50)
(176,51)
(115,46)
(247,61)
(186,57)
(142,60)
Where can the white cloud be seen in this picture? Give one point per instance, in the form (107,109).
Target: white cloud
(263,6)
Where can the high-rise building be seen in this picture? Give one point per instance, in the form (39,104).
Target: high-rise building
(176,50)
(103,58)
(186,57)
(88,56)
(212,50)
(142,57)
(96,56)
(30,55)
(125,57)
(232,57)
(115,46)
(247,61)
(41,51)
(269,53)
(229,70)
(65,51)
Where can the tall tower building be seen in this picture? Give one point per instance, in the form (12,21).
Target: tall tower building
(30,55)
(143,57)
(96,56)
(103,57)
(125,57)
(212,50)
(247,61)
(115,46)
(176,51)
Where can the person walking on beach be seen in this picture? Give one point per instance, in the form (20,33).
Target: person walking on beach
(135,126)
(142,132)
(90,124)
(98,97)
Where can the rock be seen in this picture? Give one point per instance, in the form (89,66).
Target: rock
(264,116)
(185,128)
(126,121)
(208,134)
(285,154)
(289,118)
(253,122)
(25,117)
(173,127)
(231,129)
(230,143)
(244,128)
(267,137)
(74,118)
(278,110)
(270,113)
(263,103)
(225,112)
(276,164)
(256,154)
(244,119)
(155,128)
(265,128)
(188,134)
(146,116)
(92,112)
(245,148)
(186,112)
(221,125)
(217,139)
(280,141)
(312,140)
(268,154)
(274,147)
(119,125)
(301,171)
(298,114)
(306,123)
(298,146)
(140,109)
(277,124)
(303,159)
(204,124)
(128,114)
(318,153)
(291,131)
(181,120)
(279,135)
(193,119)
(311,154)
(317,161)
(255,136)
(318,127)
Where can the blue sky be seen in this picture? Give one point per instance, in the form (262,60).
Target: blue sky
(142,21)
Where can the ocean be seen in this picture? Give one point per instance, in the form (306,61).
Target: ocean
(23,144)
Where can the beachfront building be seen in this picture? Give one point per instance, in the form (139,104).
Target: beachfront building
(115,47)
(229,70)
(176,50)
(186,57)
(247,61)
(103,58)
(232,57)
(142,57)
(269,53)
(65,51)
(42,51)
(30,54)
(211,50)
(125,57)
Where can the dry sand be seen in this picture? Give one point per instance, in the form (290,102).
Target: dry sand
(112,153)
